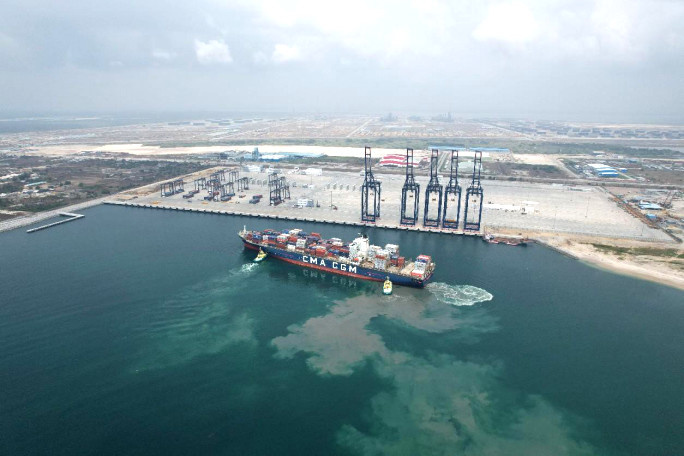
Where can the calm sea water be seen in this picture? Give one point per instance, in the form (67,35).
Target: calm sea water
(138,331)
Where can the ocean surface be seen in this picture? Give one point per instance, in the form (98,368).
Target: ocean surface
(146,332)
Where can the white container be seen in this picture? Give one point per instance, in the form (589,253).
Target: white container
(393,249)
(290,247)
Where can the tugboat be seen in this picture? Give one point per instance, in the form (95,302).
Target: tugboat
(260,257)
(387,287)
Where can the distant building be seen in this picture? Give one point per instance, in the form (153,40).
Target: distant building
(253,168)
(399,160)
(646,206)
(273,157)
(305,202)
(602,170)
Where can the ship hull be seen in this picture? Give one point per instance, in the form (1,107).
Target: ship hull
(335,267)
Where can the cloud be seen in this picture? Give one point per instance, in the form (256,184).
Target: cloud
(438,55)
(159,54)
(508,22)
(213,51)
(283,53)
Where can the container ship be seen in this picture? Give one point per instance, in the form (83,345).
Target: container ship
(357,259)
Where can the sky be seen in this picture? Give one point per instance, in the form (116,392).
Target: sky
(567,59)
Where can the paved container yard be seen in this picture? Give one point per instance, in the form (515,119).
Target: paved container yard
(512,205)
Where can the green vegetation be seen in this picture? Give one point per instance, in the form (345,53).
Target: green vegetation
(13,186)
(639,251)
(92,178)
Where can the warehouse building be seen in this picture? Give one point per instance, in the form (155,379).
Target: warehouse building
(602,170)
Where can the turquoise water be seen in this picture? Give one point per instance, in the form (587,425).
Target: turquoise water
(138,331)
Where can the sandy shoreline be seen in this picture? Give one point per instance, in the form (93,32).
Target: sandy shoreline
(649,268)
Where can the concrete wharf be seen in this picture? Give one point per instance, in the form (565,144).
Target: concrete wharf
(295,218)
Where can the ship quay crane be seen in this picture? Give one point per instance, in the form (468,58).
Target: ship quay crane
(410,190)
(452,193)
(433,189)
(474,196)
(370,192)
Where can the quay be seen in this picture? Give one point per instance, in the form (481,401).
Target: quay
(293,218)
(70,218)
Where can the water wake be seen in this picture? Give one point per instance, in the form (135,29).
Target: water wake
(248,267)
(458,295)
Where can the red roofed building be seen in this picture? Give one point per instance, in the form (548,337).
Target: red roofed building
(399,160)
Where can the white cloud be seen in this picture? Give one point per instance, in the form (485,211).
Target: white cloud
(283,53)
(508,22)
(421,32)
(213,51)
(380,29)
(160,54)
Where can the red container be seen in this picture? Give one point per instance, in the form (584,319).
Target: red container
(401,261)
(316,235)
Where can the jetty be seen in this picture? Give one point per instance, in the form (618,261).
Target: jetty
(70,218)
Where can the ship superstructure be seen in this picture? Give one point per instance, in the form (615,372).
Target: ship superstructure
(358,258)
